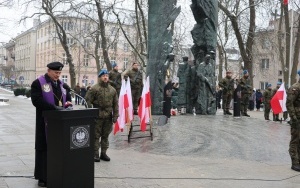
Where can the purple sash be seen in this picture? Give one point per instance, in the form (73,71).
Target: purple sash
(48,95)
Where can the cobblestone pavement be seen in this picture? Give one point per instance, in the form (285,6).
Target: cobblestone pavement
(189,151)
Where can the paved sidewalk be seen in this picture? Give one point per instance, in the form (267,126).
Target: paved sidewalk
(190,151)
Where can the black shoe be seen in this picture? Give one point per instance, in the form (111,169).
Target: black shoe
(42,183)
(228,113)
(96,158)
(104,157)
(296,167)
(245,114)
(135,112)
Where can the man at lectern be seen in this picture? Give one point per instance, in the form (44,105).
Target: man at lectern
(47,93)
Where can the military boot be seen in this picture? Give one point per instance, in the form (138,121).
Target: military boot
(296,167)
(245,114)
(224,112)
(96,157)
(104,157)
(228,113)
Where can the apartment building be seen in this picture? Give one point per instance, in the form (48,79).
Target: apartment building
(267,67)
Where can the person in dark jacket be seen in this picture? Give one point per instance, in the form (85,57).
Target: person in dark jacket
(47,93)
(77,92)
(167,99)
(83,91)
(259,97)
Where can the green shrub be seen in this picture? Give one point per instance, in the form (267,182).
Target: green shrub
(28,93)
(19,91)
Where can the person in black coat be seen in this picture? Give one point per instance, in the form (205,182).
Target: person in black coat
(167,99)
(47,93)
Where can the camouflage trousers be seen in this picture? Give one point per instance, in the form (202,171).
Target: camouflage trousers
(267,109)
(244,102)
(294,149)
(103,128)
(226,101)
(136,94)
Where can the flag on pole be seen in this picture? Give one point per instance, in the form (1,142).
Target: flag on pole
(123,103)
(145,105)
(285,2)
(129,109)
(278,102)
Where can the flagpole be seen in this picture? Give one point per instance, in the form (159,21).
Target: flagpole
(291,44)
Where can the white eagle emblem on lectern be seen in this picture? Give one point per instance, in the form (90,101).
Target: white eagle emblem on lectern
(46,88)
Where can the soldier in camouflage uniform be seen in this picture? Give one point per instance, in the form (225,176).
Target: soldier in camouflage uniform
(115,79)
(275,116)
(104,97)
(293,108)
(136,83)
(227,84)
(246,90)
(267,96)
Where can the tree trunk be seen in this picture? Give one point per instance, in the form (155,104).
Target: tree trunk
(296,54)
(287,44)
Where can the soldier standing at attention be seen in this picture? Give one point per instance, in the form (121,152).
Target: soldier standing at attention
(275,116)
(293,108)
(115,79)
(227,84)
(136,83)
(267,96)
(104,97)
(246,90)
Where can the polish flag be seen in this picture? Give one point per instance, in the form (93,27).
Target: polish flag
(145,105)
(123,104)
(285,2)
(129,109)
(279,100)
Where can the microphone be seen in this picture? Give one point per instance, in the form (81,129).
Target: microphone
(67,87)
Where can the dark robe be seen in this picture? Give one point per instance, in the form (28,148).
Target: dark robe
(167,99)
(40,171)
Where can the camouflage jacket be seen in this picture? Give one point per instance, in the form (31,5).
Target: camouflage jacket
(104,97)
(228,85)
(267,96)
(115,79)
(293,101)
(136,78)
(246,85)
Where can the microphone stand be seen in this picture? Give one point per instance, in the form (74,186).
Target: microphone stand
(82,98)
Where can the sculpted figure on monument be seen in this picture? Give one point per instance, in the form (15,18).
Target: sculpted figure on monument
(206,91)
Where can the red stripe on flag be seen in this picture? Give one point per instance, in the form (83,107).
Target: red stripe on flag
(275,104)
(285,2)
(117,127)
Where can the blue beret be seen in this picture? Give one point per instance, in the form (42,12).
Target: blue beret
(245,72)
(298,72)
(114,65)
(278,83)
(103,71)
(269,85)
(55,66)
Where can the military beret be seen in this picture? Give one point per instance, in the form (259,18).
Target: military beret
(269,85)
(55,66)
(245,72)
(298,72)
(114,65)
(102,72)
(278,83)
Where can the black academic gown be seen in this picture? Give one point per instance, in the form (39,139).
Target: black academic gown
(167,99)
(40,171)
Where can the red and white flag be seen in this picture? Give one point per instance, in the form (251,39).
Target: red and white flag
(129,110)
(144,111)
(285,2)
(278,102)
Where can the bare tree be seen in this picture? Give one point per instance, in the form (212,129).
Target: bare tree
(245,44)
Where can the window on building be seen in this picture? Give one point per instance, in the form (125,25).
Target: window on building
(266,44)
(113,30)
(68,26)
(125,63)
(101,61)
(263,85)
(265,63)
(280,73)
(70,41)
(87,43)
(86,60)
(126,47)
(64,78)
(114,46)
(113,60)
(280,80)
(64,59)
(86,27)
(85,80)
